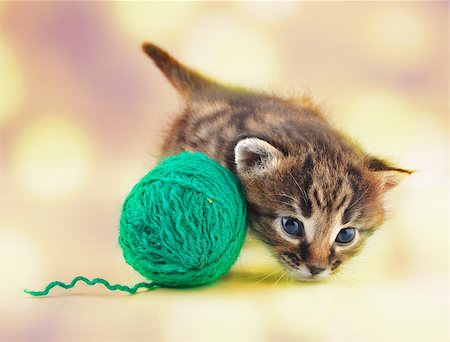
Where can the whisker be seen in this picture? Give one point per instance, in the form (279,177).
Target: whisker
(296,202)
(358,199)
(280,277)
(302,191)
(251,182)
(291,278)
(287,196)
(285,203)
(265,277)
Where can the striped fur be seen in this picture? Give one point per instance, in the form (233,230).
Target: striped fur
(290,161)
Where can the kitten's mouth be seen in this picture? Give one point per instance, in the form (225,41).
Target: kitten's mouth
(302,272)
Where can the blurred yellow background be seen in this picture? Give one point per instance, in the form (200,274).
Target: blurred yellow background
(81,109)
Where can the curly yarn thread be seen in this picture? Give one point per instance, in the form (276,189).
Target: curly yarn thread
(130,290)
(182,225)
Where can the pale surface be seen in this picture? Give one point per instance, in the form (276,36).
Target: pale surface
(81,122)
(385,294)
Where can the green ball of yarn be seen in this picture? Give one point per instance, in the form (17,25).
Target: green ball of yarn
(184,223)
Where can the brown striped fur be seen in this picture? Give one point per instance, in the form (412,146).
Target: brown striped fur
(290,161)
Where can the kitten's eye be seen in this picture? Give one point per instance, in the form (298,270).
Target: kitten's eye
(292,226)
(346,235)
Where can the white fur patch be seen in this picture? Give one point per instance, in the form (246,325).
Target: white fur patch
(303,273)
(309,225)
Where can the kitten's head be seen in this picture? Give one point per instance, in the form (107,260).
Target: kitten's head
(313,196)
(314,207)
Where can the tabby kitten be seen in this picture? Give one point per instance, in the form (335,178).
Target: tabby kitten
(313,196)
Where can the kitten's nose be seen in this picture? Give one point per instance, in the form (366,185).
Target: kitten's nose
(315,270)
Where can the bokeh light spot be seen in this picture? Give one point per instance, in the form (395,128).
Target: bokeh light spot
(230,51)
(153,21)
(388,125)
(398,37)
(51,158)
(268,11)
(11,86)
(377,119)
(21,266)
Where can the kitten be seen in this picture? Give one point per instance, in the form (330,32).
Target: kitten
(313,196)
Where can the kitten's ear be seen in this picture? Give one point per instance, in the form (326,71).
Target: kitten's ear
(254,156)
(184,79)
(392,176)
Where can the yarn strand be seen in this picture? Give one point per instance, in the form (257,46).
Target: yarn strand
(124,288)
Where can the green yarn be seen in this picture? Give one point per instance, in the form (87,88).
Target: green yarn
(182,225)
(131,290)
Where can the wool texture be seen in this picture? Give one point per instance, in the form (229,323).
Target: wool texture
(184,223)
(130,290)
